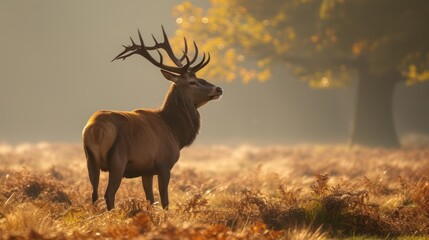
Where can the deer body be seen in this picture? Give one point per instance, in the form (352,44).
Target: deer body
(134,135)
(144,143)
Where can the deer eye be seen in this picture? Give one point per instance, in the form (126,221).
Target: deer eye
(193,83)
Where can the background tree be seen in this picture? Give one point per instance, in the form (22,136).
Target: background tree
(323,42)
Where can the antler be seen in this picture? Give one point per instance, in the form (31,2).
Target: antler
(180,68)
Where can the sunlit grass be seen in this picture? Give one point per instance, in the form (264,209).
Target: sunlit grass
(276,192)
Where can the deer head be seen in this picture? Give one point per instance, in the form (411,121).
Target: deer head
(183,74)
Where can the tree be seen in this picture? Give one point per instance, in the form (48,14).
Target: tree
(324,42)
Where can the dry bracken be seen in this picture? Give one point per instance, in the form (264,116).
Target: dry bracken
(220,192)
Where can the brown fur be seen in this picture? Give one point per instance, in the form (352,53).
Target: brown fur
(140,142)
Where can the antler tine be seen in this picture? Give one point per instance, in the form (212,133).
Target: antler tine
(164,34)
(167,47)
(201,64)
(141,39)
(185,52)
(132,41)
(196,53)
(186,45)
(198,66)
(154,39)
(127,49)
(188,63)
(123,57)
(204,64)
(161,58)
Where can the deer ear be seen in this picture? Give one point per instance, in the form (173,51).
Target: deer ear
(170,76)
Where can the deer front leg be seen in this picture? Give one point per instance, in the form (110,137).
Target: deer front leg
(147,181)
(163,180)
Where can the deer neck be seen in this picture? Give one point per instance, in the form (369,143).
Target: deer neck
(181,115)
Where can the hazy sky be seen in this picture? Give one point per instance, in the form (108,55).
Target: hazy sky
(55,71)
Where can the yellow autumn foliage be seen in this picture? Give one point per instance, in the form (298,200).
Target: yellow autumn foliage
(245,40)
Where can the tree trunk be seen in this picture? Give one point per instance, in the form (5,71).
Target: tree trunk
(373,121)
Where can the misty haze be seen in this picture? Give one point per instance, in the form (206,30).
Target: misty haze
(321,128)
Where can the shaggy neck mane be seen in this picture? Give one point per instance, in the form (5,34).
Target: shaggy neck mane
(181,116)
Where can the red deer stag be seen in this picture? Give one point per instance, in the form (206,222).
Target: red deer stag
(144,143)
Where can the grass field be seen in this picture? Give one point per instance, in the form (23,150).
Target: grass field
(220,192)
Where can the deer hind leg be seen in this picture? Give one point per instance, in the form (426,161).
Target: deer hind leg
(163,181)
(93,172)
(147,181)
(116,166)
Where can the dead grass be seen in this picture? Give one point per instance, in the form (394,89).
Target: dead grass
(219,192)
